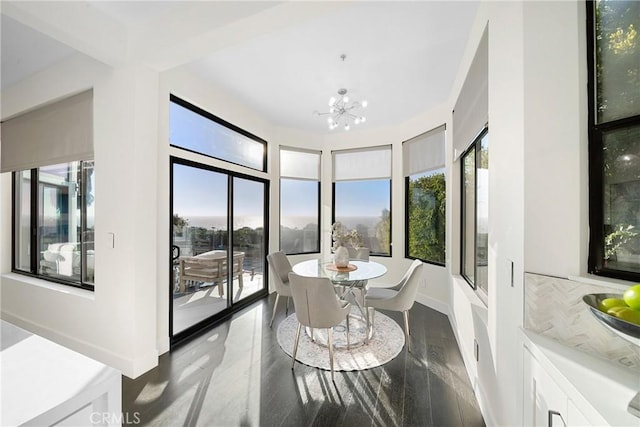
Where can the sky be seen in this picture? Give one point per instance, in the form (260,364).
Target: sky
(362,198)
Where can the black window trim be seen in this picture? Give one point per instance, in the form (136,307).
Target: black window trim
(406,229)
(475,146)
(33,226)
(233,307)
(333,214)
(317,251)
(595,262)
(197,110)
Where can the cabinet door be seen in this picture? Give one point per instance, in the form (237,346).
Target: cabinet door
(576,418)
(545,404)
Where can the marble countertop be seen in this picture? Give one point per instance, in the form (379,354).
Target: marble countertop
(601,390)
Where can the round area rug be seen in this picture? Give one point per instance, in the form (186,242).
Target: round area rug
(385,344)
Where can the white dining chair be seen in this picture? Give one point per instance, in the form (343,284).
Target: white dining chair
(317,306)
(359,254)
(399,297)
(280,267)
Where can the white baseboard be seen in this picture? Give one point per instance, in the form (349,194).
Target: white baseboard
(469,363)
(433,303)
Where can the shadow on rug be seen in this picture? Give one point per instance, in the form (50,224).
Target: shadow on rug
(385,344)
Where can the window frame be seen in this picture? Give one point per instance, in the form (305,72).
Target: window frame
(197,110)
(301,177)
(432,154)
(596,132)
(333,211)
(317,250)
(476,147)
(34,202)
(234,306)
(406,225)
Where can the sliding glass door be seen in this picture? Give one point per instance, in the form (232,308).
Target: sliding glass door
(200,241)
(248,234)
(206,203)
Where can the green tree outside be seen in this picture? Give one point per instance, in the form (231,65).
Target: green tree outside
(427,218)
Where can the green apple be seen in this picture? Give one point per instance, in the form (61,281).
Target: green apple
(608,303)
(625,313)
(632,297)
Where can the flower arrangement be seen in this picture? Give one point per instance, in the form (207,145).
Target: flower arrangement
(342,236)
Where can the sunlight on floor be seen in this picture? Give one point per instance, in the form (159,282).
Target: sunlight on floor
(194,367)
(196,296)
(201,302)
(151,392)
(245,356)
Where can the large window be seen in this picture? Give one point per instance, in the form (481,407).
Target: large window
(54,222)
(299,201)
(194,129)
(219,233)
(425,196)
(475,213)
(47,150)
(614,138)
(362,195)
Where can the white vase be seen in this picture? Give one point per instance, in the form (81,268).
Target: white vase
(341,257)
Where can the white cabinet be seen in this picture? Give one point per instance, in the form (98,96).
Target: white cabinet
(46,384)
(545,403)
(567,387)
(577,418)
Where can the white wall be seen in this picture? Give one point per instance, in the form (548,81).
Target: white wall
(556,145)
(537,184)
(115,324)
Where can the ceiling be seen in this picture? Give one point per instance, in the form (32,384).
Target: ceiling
(280,59)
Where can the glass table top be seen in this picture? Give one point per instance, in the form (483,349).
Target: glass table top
(365,270)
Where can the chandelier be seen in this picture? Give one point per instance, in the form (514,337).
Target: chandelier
(341,111)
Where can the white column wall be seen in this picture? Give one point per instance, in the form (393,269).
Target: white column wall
(537,184)
(556,145)
(115,324)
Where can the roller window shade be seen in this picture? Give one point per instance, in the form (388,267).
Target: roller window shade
(57,133)
(424,153)
(471,112)
(299,164)
(356,165)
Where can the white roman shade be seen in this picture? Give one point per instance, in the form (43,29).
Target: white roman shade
(424,153)
(471,112)
(56,133)
(361,164)
(299,164)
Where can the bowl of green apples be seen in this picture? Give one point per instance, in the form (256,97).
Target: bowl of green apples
(618,312)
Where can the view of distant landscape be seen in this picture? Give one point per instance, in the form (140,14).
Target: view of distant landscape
(299,233)
(373,231)
(220,222)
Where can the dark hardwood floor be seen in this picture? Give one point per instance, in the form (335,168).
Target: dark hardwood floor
(236,375)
